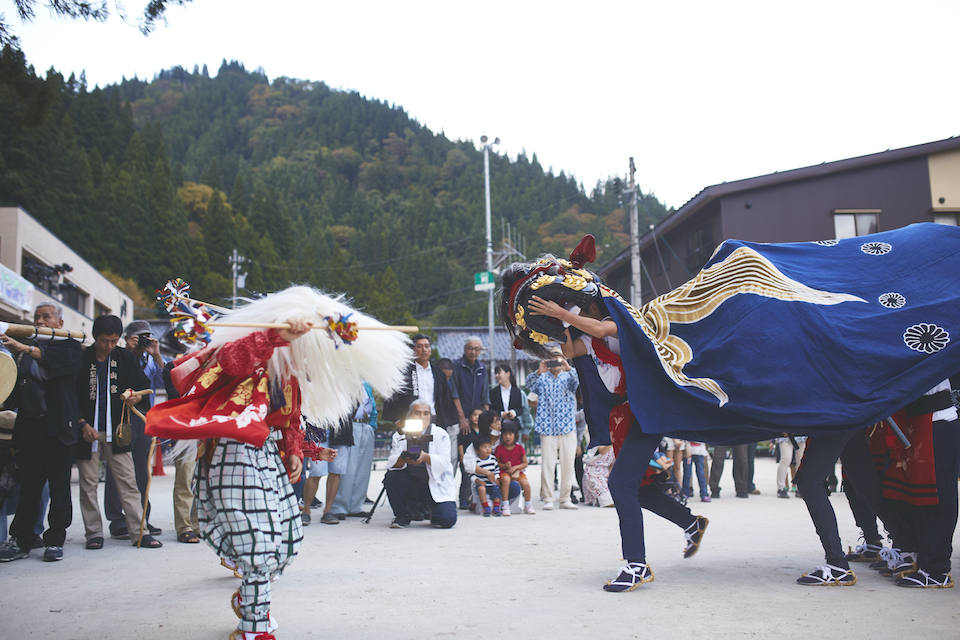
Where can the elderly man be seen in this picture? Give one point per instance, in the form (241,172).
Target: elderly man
(146,349)
(556,385)
(46,433)
(469,382)
(413,472)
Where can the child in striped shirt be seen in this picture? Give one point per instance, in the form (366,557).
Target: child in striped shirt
(485,478)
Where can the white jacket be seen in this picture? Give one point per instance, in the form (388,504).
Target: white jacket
(439,471)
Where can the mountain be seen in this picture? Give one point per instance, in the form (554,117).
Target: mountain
(157,179)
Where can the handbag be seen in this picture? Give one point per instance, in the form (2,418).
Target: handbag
(123,434)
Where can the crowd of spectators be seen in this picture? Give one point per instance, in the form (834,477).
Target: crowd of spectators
(68,409)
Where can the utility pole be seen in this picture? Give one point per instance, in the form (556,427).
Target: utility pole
(238,278)
(635,285)
(486,189)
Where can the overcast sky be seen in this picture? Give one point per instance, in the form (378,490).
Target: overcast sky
(698,92)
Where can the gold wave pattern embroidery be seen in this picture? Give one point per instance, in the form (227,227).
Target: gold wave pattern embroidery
(287,399)
(743,271)
(242,394)
(210,376)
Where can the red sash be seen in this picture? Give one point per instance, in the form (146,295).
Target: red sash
(606,356)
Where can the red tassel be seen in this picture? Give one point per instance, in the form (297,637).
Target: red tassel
(584,252)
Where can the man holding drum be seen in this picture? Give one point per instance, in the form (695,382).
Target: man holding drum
(45,433)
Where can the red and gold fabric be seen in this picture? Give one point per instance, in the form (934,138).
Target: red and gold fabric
(226,394)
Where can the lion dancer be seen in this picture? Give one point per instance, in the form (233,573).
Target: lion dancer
(243,395)
(246,506)
(631,481)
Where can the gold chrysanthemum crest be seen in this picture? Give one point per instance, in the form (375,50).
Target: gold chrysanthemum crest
(542,281)
(539,338)
(586,275)
(520,321)
(576,283)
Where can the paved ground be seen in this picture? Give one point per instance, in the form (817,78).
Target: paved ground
(526,576)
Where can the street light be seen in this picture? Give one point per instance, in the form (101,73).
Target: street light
(486,188)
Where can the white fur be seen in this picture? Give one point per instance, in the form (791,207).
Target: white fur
(330,377)
(186,449)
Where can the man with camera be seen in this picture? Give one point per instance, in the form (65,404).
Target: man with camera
(145,348)
(414,474)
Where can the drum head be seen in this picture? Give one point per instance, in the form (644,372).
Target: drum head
(8,374)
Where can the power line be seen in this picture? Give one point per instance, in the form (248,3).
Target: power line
(453,306)
(357,265)
(411,302)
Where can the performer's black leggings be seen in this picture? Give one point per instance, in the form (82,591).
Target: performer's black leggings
(630,498)
(932,536)
(819,458)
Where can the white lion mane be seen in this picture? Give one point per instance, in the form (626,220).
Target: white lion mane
(330,377)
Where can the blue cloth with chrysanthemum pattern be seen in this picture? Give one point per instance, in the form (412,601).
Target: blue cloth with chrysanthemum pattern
(806,338)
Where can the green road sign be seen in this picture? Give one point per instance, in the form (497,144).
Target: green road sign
(483,281)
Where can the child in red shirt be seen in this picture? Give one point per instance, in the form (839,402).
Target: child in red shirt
(513,460)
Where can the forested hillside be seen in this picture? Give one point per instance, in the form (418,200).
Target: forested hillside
(159,179)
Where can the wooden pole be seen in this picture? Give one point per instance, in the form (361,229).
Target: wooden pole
(30,331)
(215,307)
(146,493)
(284,325)
(130,393)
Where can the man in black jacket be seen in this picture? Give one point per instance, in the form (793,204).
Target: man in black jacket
(425,381)
(45,433)
(106,371)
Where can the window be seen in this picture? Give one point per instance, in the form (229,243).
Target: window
(947,217)
(699,247)
(100,309)
(39,274)
(73,296)
(850,223)
(50,280)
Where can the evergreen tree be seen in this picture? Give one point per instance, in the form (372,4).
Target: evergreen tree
(168,253)
(263,211)
(238,196)
(219,235)
(212,176)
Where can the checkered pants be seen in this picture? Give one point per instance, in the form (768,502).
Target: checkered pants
(249,514)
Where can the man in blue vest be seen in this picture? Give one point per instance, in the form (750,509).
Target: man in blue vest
(469,382)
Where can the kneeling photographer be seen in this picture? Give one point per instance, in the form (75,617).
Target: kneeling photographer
(413,474)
